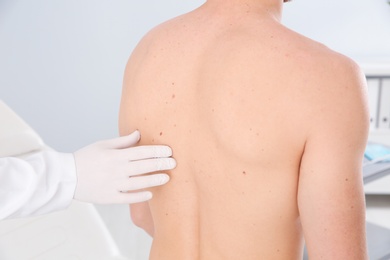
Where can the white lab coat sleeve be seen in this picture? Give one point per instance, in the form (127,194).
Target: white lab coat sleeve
(37,184)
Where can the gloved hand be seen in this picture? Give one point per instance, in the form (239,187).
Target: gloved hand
(111,171)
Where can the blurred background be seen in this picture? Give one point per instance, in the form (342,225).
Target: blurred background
(62,63)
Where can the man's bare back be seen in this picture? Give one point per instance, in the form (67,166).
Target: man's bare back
(260,121)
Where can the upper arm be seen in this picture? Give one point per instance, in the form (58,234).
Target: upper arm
(142,217)
(139,212)
(131,86)
(330,194)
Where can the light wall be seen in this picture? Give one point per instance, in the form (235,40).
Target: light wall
(62,61)
(357,28)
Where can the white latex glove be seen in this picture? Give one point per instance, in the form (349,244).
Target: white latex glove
(111,171)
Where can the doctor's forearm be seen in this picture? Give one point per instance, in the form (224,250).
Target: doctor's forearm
(40,183)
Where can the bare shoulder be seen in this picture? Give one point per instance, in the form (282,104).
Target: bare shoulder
(338,82)
(332,86)
(164,33)
(328,76)
(329,68)
(147,42)
(157,42)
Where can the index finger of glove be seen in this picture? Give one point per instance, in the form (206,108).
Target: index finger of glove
(150,165)
(147,152)
(123,141)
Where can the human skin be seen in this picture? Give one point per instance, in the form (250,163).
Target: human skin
(268,129)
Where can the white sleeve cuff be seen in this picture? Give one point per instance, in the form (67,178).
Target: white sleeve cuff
(39,183)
